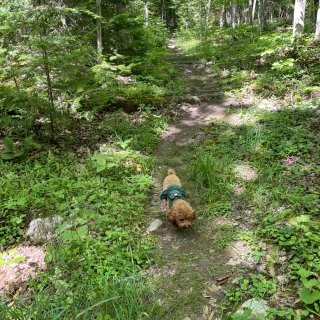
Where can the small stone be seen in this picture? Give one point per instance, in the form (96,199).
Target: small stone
(211,316)
(245,172)
(213,303)
(155,225)
(214,288)
(282,280)
(259,308)
(206,310)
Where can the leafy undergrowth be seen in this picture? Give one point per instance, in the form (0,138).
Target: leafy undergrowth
(280,144)
(282,202)
(93,266)
(259,63)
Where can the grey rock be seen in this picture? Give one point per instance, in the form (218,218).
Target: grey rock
(42,229)
(259,308)
(193,99)
(155,225)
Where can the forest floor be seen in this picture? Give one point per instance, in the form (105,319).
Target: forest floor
(194,266)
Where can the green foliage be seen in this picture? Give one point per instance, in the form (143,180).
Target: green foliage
(51,80)
(100,239)
(223,236)
(282,146)
(5,258)
(255,286)
(9,153)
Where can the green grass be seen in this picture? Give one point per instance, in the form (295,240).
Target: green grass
(223,235)
(278,137)
(281,144)
(90,190)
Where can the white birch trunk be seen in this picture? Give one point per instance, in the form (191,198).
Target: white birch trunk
(162,10)
(254,9)
(146,13)
(317,35)
(233,16)
(99,28)
(207,13)
(223,17)
(298,19)
(200,17)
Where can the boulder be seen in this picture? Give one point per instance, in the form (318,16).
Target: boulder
(42,229)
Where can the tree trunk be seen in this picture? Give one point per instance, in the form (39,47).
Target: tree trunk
(162,10)
(249,12)
(287,12)
(254,9)
(262,14)
(146,13)
(298,19)
(99,28)
(317,35)
(233,17)
(271,11)
(223,17)
(200,17)
(207,13)
(49,90)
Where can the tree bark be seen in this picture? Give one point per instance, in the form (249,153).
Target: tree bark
(99,28)
(249,12)
(200,17)
(146,13)
(49,90)
(207,13)
(223,17)
(162,10)
(298,19)
(317,34)
(254,9)
(262,14)
(233,17)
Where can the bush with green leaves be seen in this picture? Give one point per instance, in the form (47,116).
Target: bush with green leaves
(102,196)
(99,240)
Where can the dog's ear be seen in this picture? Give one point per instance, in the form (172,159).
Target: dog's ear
(170,215)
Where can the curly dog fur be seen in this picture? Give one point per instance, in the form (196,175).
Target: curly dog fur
(181,214)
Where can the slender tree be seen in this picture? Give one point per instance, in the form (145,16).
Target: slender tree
(146,13)
(262,14)
(223,17)
(298,19)
(99,28)
(317,35)
(207,13)
(254,9)
(200,17)
(233,16)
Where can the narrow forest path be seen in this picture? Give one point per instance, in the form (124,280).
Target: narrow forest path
(192,270)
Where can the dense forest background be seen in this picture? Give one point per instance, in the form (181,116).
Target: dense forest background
(86,88)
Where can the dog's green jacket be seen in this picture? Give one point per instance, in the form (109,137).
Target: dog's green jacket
(173,192)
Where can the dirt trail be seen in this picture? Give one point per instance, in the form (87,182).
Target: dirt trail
(190,264)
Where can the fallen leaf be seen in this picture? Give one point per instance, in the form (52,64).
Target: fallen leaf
(223,280)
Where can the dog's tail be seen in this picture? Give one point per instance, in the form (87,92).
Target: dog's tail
(171,171)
